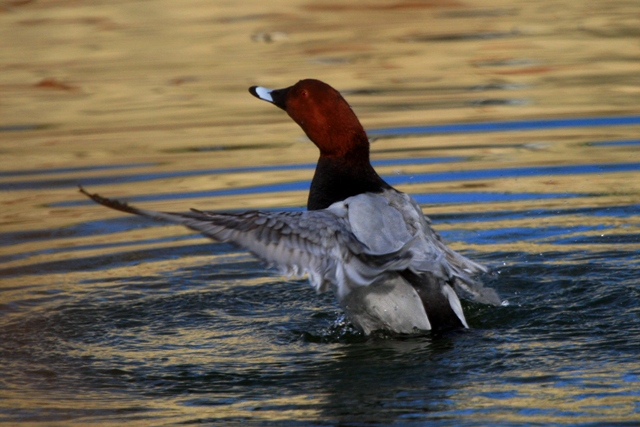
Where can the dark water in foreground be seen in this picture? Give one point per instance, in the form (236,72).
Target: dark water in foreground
(225,342)
(178,330)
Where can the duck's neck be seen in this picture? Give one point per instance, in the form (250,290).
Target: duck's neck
(337,178)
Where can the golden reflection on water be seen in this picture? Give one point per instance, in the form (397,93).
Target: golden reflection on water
(542,402)
(164,83)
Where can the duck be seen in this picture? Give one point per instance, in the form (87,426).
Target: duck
(362,239)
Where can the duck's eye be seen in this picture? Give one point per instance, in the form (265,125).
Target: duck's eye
(304,93)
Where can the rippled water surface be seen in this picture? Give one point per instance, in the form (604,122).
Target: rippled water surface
(514,124)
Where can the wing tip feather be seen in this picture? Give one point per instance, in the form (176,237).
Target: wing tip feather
(109,203)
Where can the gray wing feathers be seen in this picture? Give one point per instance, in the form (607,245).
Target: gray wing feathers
(320,243)
(429,253)
(317,242)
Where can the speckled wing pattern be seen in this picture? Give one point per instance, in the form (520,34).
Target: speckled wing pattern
(320,243)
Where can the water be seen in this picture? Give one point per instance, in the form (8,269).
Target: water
(515,126)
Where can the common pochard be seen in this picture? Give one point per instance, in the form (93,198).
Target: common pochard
(366,241)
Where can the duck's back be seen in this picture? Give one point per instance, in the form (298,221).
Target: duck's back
(422,296)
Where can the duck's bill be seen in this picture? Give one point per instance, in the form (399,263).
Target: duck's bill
(262,93)
(275,96)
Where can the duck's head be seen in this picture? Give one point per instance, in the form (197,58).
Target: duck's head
(322,113)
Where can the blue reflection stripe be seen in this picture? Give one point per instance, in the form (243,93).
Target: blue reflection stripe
(511,173)
(482,197)
(469,127)
(82,248)
(509,126)
(52,171)
(467,175)
(616,143)
(121,179)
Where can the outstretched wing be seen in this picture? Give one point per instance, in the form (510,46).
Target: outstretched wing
(320,243)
